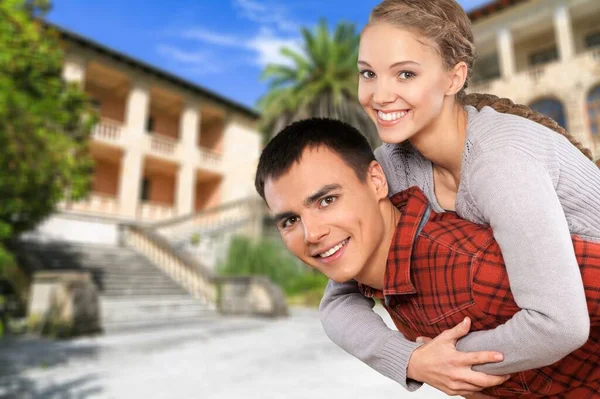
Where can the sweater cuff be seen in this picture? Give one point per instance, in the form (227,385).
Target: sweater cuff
(396,354)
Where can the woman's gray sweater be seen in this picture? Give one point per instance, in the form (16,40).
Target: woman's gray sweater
(534,189)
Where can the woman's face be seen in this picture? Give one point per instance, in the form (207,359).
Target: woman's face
(402,82)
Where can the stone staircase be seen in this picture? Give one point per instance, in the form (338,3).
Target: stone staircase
(134,293)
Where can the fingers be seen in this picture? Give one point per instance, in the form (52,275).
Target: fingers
(482,380)
(458,331)
(471,358)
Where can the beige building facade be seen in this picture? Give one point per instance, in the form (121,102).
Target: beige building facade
(544,54)
(163,147)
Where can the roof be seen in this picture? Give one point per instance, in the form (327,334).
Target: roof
(491,7)
(152,70)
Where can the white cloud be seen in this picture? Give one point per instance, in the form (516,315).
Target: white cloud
(274,31)
(266,14)
(268,47)
(182,56)
(211,37)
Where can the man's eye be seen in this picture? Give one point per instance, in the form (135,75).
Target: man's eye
(327,201)
(290,221)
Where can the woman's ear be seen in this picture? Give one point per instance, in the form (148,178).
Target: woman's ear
(377,179)
(458,77)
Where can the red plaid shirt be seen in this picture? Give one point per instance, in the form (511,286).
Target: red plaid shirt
(441,268)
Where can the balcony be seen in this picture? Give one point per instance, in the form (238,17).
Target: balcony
(96,203)
(210,159)
(108,131)
(155,211)
(163,145)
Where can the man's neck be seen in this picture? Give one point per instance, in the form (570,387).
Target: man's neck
(374,272)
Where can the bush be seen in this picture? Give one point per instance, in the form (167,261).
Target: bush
(270,258)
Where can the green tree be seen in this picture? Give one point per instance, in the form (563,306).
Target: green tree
(44,122)
(321,81)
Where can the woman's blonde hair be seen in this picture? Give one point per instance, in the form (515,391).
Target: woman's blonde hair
(443,22)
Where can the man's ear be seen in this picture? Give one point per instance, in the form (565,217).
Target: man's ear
(458,76)
(377,179)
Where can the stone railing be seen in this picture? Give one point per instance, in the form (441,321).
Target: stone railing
(536,72)
(108,130)
(150,211)
(230,295)
(246,213)
(163,145)
(210,158)
(95,203)
(481,87)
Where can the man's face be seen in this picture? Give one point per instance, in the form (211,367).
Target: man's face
(327,217)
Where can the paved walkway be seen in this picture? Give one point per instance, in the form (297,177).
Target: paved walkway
(220,359)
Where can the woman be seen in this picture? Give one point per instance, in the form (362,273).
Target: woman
(530,184)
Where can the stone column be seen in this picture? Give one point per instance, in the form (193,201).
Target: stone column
(186,178)
(136,113)
(564,32)
(506,53)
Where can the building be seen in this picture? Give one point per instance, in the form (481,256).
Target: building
(545,54)
(163,147)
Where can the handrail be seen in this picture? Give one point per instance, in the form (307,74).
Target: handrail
(231,294)
(204,212)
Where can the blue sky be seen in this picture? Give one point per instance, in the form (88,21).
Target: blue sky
(222,45)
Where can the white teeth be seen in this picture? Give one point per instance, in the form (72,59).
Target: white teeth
(333,250)
(391,116)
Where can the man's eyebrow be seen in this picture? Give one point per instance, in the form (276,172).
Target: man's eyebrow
(284,215)
(308,201)
(320,193)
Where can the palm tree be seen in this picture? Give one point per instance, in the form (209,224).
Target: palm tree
(321,81)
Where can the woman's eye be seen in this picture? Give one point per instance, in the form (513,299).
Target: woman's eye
(327,201)
(405,75)
(366,74)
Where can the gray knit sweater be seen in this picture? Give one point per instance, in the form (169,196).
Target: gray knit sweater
(533,187)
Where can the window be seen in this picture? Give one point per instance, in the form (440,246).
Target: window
(593,106)
(552,108)
(96,104)
(150,124)
(145,193)
(486,68)
(592,40)
(543,56)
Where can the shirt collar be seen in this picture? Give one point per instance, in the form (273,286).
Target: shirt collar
(413,206)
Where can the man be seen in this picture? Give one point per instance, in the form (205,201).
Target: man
(329,197)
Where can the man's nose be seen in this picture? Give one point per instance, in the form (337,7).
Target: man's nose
(314,231)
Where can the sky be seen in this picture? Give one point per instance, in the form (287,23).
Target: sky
(221,45)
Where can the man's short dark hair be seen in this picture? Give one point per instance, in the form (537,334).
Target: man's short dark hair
(287,147)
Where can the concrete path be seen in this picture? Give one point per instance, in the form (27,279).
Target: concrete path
(218,359)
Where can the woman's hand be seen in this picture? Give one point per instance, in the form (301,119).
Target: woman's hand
(440,365)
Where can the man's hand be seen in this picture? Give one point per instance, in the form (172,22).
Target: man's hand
(440,365)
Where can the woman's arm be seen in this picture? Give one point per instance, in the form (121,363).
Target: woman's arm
(518,198)
(349,320)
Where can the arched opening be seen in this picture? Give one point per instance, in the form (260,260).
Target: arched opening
(551,108)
